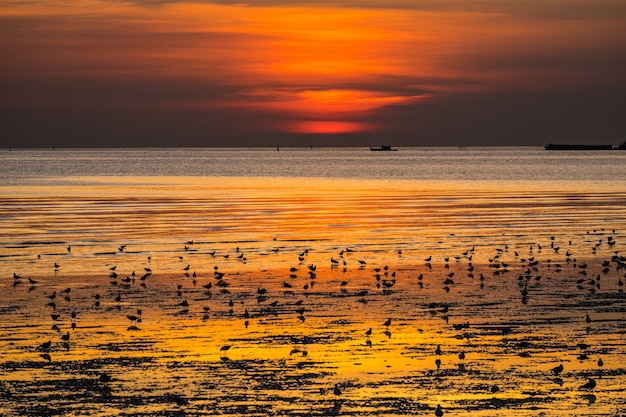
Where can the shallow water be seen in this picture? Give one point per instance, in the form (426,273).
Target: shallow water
(513,270)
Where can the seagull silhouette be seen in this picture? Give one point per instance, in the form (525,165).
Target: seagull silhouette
(557,369)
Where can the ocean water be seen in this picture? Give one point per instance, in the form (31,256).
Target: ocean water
(252,281)
(156,198)
(488,164)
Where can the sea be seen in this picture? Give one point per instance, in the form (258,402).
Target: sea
(312,281)
(503,165)
(413,196)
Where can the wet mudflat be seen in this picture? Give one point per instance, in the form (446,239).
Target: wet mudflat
(312,301)
(480,330)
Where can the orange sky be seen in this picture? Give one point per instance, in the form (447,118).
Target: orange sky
(270,69)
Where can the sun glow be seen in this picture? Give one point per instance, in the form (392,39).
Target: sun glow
(328,126)
(310,68)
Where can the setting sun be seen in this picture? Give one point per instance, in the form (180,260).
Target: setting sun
(331,126)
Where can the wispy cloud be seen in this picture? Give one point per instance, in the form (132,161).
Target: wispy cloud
(555,9)
(295,63)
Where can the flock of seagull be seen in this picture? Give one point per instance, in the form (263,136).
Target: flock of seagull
(385,281)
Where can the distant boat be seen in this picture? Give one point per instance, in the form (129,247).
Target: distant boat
(573,147)
(382,148)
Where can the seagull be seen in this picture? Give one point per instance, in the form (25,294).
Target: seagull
(45,345)
(557,369)
(104,378)
(591,384)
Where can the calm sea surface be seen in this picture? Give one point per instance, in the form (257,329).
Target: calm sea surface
(157,198)
(256,281)
(493,165)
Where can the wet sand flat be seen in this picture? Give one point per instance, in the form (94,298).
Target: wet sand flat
(161,298)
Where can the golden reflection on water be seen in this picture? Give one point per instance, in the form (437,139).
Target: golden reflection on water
(494,274)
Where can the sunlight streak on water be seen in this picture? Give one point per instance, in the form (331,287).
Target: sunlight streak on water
(159,214)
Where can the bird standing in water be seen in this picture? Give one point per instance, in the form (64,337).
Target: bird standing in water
(591,384)
(557,369)
(104,378)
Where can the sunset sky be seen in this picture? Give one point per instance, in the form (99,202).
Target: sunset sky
(270,72)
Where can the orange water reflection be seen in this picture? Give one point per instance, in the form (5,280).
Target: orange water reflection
(475,271)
